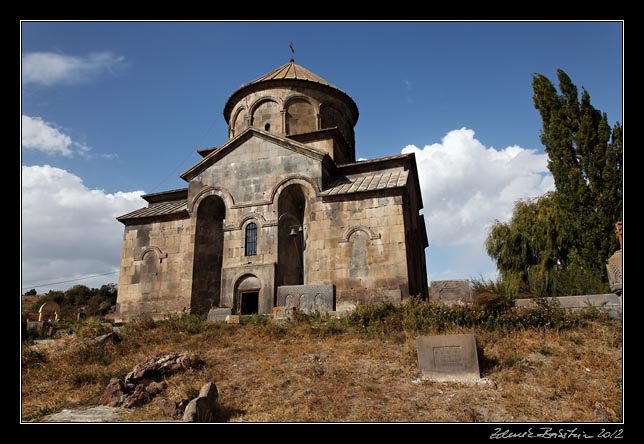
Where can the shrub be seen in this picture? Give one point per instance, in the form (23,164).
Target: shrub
(188,323)
(91,328)
(492,303)
(141,324)
(258,319)
(380,318)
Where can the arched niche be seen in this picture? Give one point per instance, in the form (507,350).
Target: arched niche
(267,116)
(208,254)
(240,122)
(301,116)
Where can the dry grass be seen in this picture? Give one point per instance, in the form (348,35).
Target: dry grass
(317,372)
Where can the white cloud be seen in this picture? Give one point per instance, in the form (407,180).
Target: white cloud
(48,68)
(43,136)
(466,186)
(48,138)
(69,230)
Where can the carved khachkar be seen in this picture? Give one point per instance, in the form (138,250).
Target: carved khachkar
(614,265)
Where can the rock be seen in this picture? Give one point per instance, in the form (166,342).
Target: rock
(114,394)
(145,381)
(155,388)
(139,397)
(93,414)
(168,407)
(181,407)
(203,407)
(163,364)
(111,336)
(190,414)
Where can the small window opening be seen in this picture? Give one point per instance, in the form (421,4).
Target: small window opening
(267,127)
(251,239)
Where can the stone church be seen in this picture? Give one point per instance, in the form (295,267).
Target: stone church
(281,214)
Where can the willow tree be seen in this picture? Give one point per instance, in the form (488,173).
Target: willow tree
(529,247)
(585,159)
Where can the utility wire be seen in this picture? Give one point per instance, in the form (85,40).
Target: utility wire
(71,280)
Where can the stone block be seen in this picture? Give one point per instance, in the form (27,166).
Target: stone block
(307,298)
(611,303)
(283,313)
(232,319)
(218,314)
(451,290)
(204,407)
(614,268)
(448,358)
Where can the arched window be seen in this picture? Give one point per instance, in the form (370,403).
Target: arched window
(251,239)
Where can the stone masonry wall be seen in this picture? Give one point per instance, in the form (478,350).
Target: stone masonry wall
(358,245)
(156,269)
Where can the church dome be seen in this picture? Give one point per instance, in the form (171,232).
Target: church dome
(291,100)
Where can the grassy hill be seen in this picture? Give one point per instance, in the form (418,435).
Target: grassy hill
(545,366)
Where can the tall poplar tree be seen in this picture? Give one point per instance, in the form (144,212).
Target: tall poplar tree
(585,158)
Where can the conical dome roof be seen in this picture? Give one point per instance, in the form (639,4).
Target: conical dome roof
(288,73)
(292,71)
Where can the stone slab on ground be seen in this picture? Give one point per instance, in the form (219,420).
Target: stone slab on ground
(100,413)
(218,314)
(448,358)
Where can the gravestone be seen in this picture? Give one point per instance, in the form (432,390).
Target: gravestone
(307,298)
(218,314)
(448,358)
(451,291)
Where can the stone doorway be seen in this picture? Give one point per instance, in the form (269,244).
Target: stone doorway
(247,293)
(249,302)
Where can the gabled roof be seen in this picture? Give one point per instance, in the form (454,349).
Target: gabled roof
(229,146)
(161,209)
(166,196)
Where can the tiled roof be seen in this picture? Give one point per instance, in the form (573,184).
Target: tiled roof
(377,159)
(367,182)
(161,209)
(292,71)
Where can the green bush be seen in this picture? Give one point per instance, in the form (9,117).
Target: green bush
(188,323)
(575,280)
(417,316)
(258,319)
(140,324)
(91,328)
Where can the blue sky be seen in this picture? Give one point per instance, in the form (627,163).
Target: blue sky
(114,109)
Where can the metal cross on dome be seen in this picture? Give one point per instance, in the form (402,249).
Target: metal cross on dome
(292,52)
